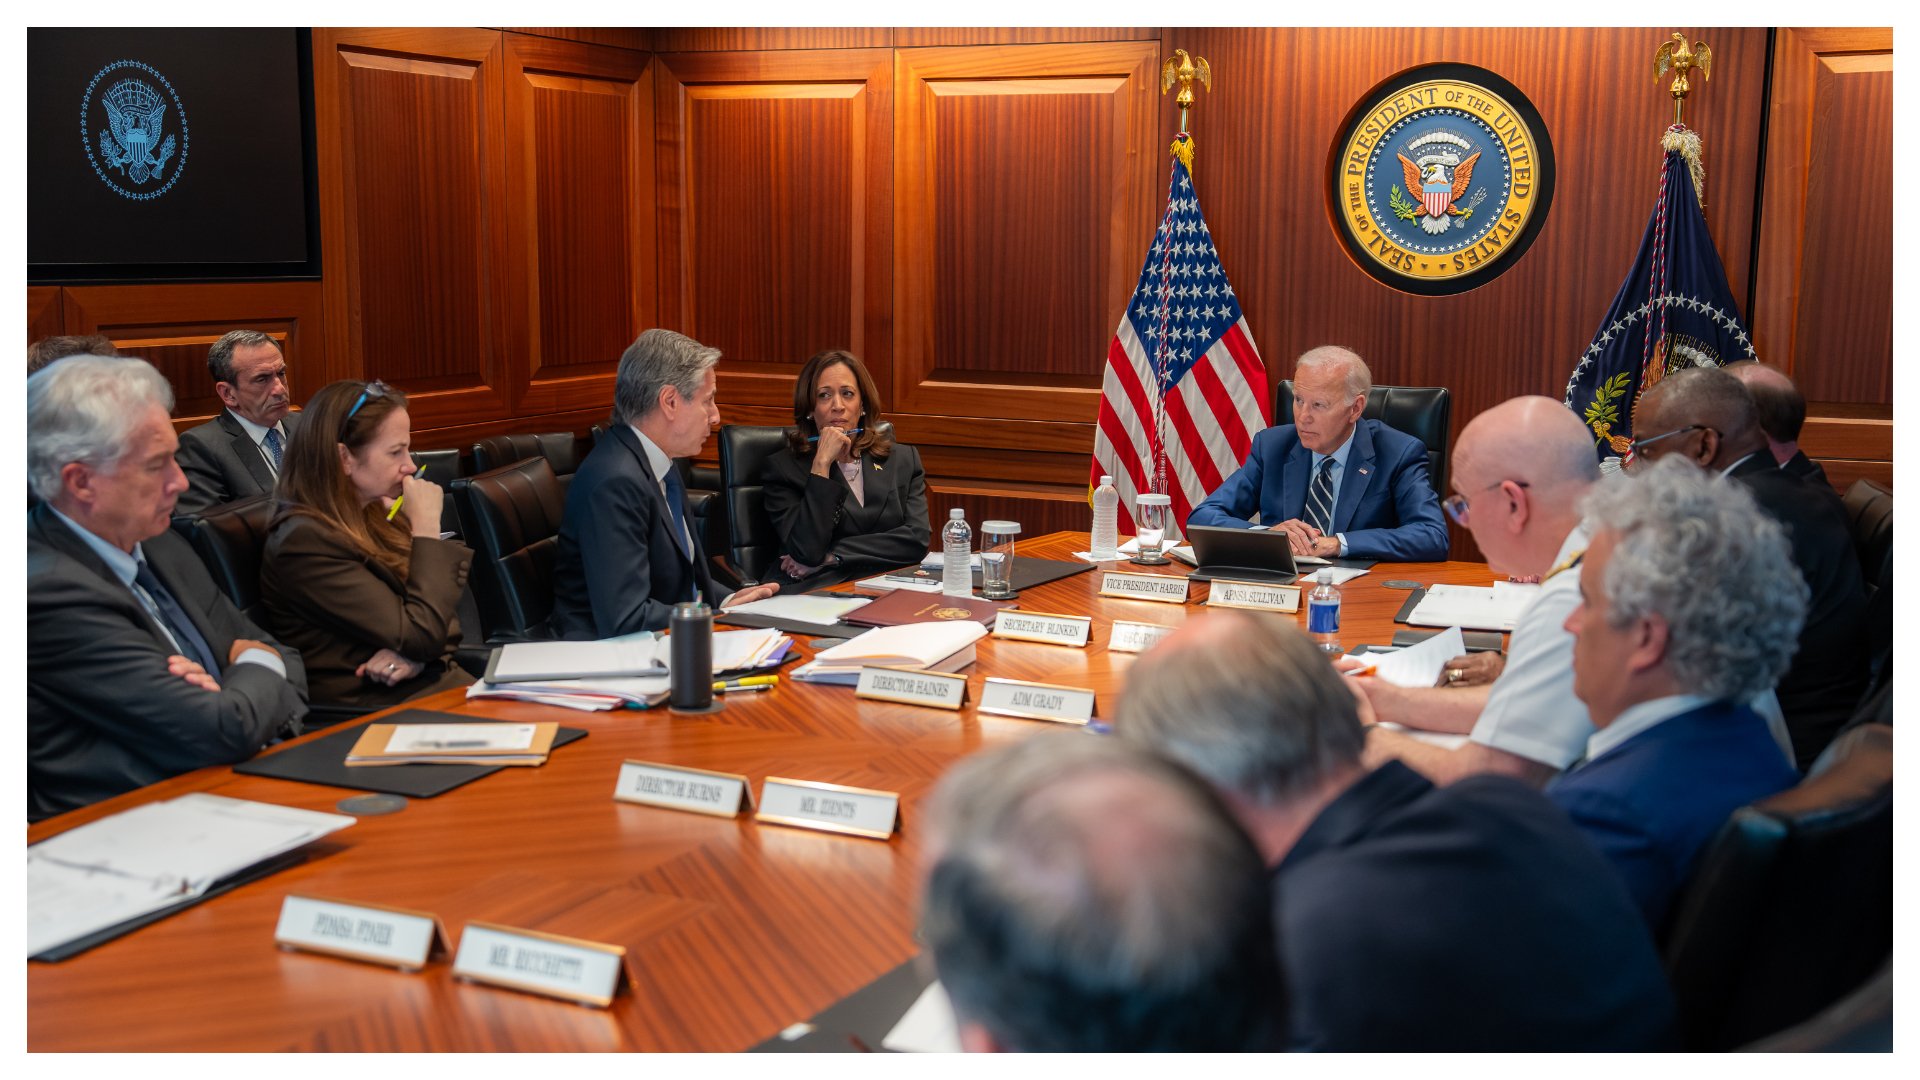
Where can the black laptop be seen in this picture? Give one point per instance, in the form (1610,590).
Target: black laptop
(1256,555)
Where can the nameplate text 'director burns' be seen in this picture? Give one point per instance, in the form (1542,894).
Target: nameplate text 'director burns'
(1036,701)
(584,972)
(360,931)
(912,686)
(1161,588)
(810,804)
(679,787)
(1039,626)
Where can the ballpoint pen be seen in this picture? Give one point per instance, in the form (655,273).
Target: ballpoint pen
(851,432)
(395,508)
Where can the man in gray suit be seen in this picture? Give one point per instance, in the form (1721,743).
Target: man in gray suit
(138,668)
(237,454)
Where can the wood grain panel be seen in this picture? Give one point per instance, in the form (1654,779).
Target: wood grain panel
(764,38)
(172,326)
(906,37)
(1825,286)
(1029,171)
(413,211)
(44,315)
(776,210)
(1036,513)
(579,249)
(738,929)
(636,38)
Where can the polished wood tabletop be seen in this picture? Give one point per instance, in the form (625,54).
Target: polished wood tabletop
(734,929)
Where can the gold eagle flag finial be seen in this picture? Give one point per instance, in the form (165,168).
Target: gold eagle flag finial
(1676,56)
(1184,69)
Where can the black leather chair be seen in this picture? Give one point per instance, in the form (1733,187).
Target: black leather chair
(752,549)
(229,539)
(513,518)
(1424,412)
(1792,905)
(563,450)
(1860,1023)
(1870,519)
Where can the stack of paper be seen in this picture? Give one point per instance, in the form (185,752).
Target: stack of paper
(139,861)
(947,646)
(453,744)
(544,661)
(738,650)
(1473,607)
(818,609)
(586,695)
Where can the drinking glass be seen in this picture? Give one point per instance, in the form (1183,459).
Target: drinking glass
(996,559)
(1150,516)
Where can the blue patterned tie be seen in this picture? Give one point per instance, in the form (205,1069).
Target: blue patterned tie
(272,443)
(1320,498)
(676,502)
(164,607)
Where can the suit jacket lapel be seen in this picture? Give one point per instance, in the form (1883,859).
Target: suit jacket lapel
(1298,474)
(54,533)
(877,485)
(1357,477)
(247,451)
(623,434)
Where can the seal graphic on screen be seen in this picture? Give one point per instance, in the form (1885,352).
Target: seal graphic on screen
(125,126)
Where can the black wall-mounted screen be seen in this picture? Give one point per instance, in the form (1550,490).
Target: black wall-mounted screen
(170,155)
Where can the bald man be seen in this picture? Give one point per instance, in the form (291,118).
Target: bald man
(1336,484)
(1520,470)
(1782,412)
(1706,416)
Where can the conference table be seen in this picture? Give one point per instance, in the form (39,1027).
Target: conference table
(734,929)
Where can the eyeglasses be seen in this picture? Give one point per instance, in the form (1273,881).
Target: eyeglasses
(1640,445)
(1456,504)
(376,388)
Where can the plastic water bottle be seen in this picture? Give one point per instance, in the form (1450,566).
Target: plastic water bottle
(956,551)
(1106,503)
(1323,613)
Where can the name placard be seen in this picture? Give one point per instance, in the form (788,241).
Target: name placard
(678,787)
(1136,636)
(1038,626)
(1163,588)
(359,931)
(1254,595)
(912,686)
(810,804)
(586,972)
(1036,701)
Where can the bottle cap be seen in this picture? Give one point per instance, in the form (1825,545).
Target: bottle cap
(1325,577)
(1105,480)
(957,514)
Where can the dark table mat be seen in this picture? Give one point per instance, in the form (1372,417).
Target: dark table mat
(323,761)
(866,1015)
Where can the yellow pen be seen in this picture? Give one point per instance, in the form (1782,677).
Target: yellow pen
(395,508)
(751,680)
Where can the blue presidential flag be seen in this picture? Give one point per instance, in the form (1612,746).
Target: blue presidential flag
(1674,310)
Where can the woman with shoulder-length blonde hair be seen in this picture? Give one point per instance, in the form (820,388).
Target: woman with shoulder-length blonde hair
(846,499)
(365,591)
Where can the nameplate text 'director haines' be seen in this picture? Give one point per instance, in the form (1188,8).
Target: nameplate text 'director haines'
(912,686)
(1161,588)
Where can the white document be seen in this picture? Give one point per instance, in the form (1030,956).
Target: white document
(413,738)
(1442,739)
(934,646)
(1341,574)
(816,609)
(587,695)
(928,1027)
(1419,665)
(735,649)
(883,583)
(140,860)
(935,560)
(1474,607)
(544,660)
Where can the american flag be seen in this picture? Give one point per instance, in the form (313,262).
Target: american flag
(1185,389)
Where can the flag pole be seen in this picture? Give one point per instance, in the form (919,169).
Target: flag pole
(1184,70)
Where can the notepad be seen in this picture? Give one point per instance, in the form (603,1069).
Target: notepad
(453,744)
(945,646)
(529,661)
(813,608)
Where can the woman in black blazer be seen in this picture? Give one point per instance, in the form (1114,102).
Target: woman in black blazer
(846,500)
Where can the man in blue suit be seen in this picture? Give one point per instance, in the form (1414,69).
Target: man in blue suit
(1411,917)
(1336,484)
(1690,606)
(626,552)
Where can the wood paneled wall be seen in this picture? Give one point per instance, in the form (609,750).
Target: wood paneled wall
(503,210)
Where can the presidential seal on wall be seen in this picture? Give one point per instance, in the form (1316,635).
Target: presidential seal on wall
(124,130)
(1441,177)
